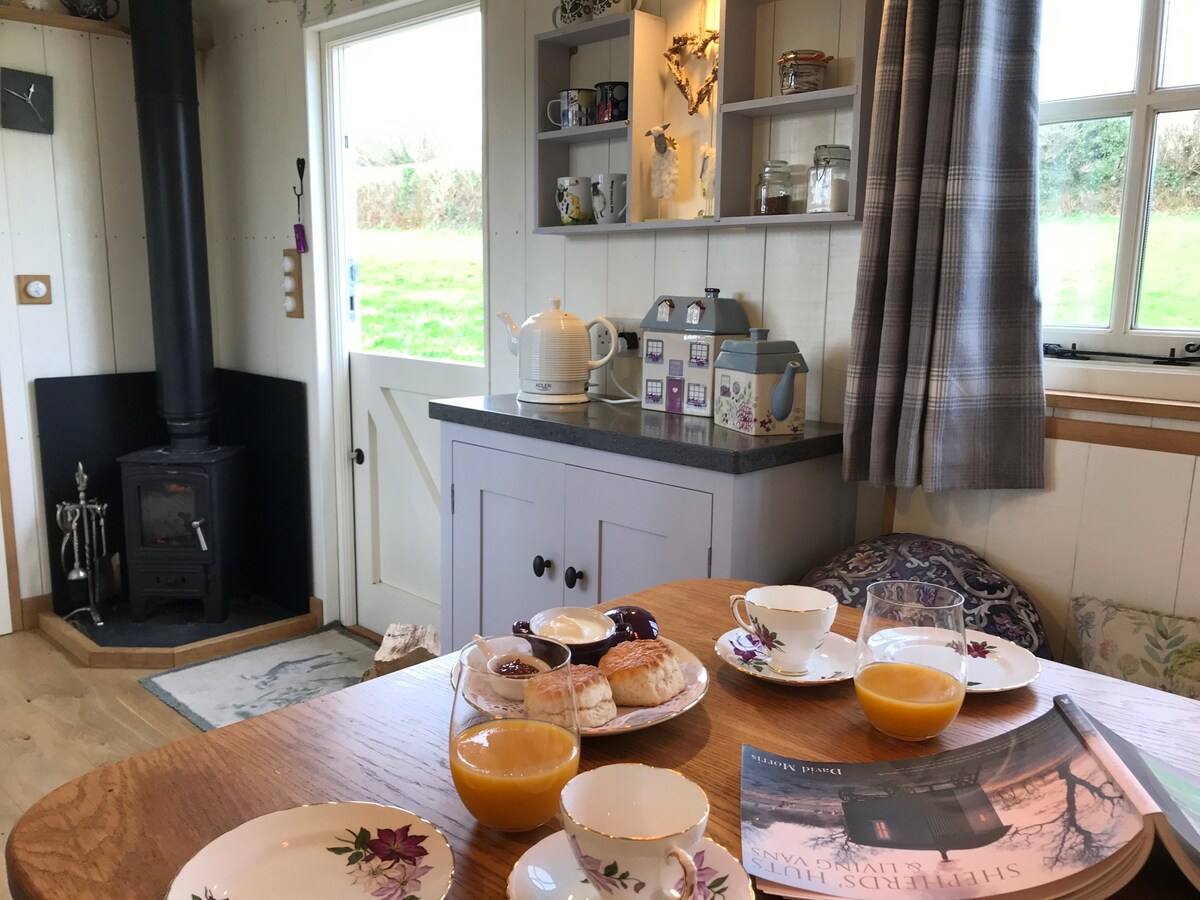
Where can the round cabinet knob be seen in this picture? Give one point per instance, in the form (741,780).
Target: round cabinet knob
(289,304)
(572,576)
(289,284)
(35,289)
(541,566)
(288,265)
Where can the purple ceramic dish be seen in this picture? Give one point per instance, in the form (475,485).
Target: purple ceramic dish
(642,621)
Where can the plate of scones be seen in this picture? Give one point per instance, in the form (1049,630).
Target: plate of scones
(636,684)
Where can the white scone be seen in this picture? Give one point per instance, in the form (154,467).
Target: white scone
(642,673)
(547,697)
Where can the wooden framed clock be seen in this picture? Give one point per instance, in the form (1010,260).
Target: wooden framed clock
(26,101)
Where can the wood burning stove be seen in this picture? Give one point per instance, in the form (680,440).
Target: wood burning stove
(184,533)
(183,502)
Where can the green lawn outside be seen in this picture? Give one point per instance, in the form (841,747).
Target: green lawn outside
(1077,255)
(421,293)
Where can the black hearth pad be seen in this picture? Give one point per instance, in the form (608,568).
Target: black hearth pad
(176,622)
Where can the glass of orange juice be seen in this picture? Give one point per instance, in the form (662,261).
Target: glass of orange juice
(911,672)
(509,767)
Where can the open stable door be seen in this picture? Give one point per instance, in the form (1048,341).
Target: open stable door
(405,104)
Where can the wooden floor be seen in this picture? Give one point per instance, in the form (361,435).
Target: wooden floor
(59,720)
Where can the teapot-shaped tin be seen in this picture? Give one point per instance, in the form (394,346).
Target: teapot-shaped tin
(760,385)
(555,354)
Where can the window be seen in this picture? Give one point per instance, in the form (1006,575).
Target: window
(697,396)
(1119,202)
(654,390)
(698,354)
(654,351)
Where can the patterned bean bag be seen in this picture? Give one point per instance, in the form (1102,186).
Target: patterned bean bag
(995,604)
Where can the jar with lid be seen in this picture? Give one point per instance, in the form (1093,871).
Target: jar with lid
(829,179)
(802,70)
(773,194)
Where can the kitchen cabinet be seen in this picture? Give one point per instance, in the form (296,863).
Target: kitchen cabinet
(593,536)
(649,509)
(753,121)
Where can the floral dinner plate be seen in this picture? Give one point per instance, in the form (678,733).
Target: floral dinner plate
(335,851)
(628,718)
(548,871)
(994,664)
(833,660)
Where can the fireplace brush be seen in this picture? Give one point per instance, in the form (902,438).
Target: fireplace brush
(83,528)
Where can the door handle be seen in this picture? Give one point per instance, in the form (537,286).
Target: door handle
(571,576)
(541,566)
(357,456)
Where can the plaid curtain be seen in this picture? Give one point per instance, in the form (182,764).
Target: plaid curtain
(944,385)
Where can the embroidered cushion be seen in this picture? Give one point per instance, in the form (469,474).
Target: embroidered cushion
(994,603)
(1136,645)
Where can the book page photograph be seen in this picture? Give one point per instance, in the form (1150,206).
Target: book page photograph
(1020,810)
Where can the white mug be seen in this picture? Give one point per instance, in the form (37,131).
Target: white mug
(790,621)
(609,197)
(601,8)
(639,819)
(573,197)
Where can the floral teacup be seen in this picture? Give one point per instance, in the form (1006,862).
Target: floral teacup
(790,621)
(632,829)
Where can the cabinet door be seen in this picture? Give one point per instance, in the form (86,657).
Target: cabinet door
(627,534)
(507,510)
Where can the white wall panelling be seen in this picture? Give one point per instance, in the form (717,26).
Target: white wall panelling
(70,207)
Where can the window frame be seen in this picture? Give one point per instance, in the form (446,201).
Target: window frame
(1141,106)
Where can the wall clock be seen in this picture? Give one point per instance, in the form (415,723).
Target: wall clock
(26,101)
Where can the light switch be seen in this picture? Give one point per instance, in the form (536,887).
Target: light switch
(293,285)
(33,289)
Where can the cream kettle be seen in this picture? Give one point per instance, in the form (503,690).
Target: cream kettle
(555,354)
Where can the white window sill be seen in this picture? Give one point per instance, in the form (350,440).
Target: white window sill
(1123,379)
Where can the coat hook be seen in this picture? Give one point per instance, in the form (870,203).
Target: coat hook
(301,238)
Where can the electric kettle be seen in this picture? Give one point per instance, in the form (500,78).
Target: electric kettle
(555,354)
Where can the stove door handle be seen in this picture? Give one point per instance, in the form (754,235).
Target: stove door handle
(200,534)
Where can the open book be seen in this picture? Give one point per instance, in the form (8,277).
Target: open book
(1060,807)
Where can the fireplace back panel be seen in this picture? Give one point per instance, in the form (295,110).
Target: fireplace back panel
(94,419)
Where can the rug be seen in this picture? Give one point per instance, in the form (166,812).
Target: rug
(247,684)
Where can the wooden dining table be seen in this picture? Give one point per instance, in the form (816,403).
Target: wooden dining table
(123,831)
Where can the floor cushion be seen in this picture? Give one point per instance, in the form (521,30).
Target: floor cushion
(1137,645)
(994,603)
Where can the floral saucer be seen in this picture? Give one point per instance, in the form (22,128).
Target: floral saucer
(548,871)
(833,660)
(335,851)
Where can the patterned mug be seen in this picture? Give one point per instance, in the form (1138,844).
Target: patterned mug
(573,197)
(609,197)
(568,12)
(576,106)
(601,8)
(612,101)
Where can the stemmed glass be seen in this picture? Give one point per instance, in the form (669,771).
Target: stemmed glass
(508,766)
(911,670)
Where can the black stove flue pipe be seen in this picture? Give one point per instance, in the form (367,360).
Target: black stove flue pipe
(164,78)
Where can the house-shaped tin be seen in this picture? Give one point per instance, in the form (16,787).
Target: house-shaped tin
(682,336)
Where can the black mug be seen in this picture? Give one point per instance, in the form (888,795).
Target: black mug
(612,101)
(91,9)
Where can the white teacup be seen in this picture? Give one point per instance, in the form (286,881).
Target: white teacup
(641,820)
(790,621)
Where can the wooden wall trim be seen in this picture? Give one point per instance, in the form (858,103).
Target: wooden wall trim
(19,622)
(1128,406)
(1162,439)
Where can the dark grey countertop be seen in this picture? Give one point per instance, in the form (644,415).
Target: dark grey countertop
(632,431)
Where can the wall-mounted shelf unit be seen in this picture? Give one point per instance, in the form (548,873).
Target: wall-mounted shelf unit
(49,19)
(748,107)
(645,36)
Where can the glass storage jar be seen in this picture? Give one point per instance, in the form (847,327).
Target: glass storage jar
(801,71)
(773,196)
(829,179)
